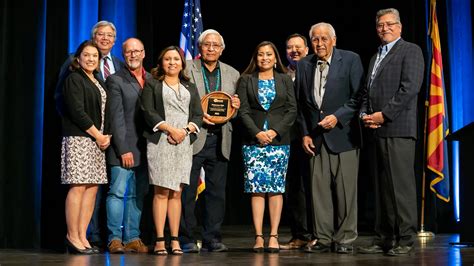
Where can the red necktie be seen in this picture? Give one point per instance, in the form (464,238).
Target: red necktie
(106,68)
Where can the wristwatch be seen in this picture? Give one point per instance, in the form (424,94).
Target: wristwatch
(188,131)
(361,115)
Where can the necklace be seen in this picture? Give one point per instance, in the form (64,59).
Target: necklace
(206,81)
(175,88)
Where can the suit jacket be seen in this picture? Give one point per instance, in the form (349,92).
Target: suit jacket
(280,116)
(64,73)
(82,105)
(154,111)
(126,118)
(229,78)
(341,98)
(394,90)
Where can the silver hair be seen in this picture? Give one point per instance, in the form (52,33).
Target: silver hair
(332,31)
(386,11)
(101,24)
(210,31)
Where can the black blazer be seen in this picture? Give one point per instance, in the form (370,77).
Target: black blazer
(280,116)
(341,98)
(395,88)
(64,72)
(126,118)
(154,111)
(82,105)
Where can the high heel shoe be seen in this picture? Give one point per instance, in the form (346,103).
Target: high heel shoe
(176,251)
(71,249)
(259,249)
(160,252)
(273,250)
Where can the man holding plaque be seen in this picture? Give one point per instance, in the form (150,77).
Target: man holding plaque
(212,148)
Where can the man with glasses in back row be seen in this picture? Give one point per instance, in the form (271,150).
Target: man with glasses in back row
(103,34)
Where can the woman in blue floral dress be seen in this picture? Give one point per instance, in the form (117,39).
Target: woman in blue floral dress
(268,110)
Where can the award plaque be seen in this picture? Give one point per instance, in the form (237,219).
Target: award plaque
(218,105)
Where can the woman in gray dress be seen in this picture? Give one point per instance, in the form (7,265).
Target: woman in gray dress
(83,144)
(173,113)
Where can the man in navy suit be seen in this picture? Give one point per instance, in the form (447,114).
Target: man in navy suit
(128,183)
(103,34)
(327,85)
(389,108)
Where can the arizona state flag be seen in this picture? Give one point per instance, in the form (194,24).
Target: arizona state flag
(437,119)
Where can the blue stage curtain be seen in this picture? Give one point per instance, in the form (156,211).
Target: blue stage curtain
(461,86)
(84,14)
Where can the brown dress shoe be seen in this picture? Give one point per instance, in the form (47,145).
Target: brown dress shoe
(116,247)
(136,246)
(293,244)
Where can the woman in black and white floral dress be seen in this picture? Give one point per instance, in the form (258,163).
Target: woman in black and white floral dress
(83,144)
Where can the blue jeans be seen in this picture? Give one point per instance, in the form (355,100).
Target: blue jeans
(127,188)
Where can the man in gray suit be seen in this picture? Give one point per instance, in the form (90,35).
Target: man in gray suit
(390,109)
(211,149)
(327,84)
(126,159)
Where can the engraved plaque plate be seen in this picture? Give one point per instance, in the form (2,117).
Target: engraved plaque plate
(218,105)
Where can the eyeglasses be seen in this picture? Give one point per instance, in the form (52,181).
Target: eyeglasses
(105,34)
(388,24)
(296,47)
(134,52)
(209,45)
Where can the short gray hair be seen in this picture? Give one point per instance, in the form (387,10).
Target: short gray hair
(210,31)
(332,31)
(386,11)
(101,24)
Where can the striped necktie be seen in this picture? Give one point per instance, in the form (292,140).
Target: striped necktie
(106,68)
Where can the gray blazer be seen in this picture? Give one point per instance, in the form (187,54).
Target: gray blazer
(126,118)
(394,90)
(229,77)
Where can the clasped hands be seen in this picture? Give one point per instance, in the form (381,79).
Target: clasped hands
(103,141)
(374,120)
(176,135)
(266,137)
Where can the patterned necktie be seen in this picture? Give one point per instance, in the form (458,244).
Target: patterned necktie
(106,68)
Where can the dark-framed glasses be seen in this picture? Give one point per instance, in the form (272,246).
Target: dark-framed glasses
(134,52)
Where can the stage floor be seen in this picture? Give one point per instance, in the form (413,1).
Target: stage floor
(239,239)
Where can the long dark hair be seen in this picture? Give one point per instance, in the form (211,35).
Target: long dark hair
(74,63)
(159,73)
(253,67)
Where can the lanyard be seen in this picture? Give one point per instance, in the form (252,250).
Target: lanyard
(206,81)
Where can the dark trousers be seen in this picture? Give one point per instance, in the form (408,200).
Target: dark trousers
(298,193)
(212,199)
(97,229)
(395,190)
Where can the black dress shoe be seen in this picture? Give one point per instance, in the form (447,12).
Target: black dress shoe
(400,251)
(318,248)
(374,249)
(71,249)
(344,248)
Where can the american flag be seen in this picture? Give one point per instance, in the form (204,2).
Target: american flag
(191,28)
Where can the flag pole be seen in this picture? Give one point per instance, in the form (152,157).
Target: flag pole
(422,233)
